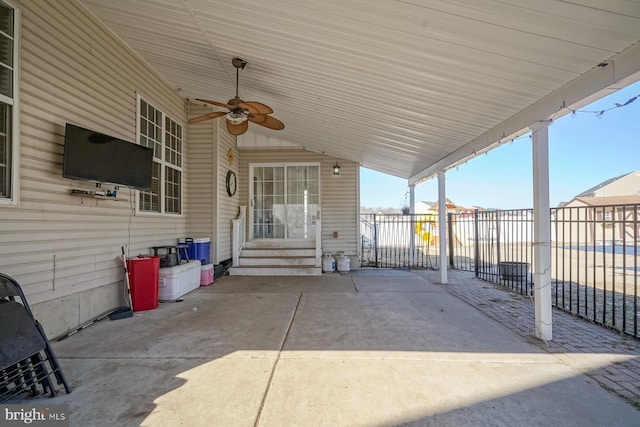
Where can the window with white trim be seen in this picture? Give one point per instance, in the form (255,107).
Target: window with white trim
(8,91)
(158,131)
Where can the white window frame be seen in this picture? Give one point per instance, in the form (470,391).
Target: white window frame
(278,164)
(14,199)
(162,162)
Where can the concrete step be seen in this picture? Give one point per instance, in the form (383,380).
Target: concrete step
(270,257)
(275,271)
(278,252)
(278,243)
(272,261)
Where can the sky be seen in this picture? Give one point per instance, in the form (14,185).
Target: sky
(584,150)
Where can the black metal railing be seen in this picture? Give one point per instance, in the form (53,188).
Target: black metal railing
(594,254)
(595,264)
(399,241)
(497,246)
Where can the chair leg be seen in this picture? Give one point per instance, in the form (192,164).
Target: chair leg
(53,360)
(42,374)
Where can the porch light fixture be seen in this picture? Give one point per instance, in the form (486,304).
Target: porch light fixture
(336,169)
(236,117)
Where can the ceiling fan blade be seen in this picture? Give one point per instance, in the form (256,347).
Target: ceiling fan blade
(258,118)
(255,107)
(266,121)
(216,103)
(207,116)
(238,129)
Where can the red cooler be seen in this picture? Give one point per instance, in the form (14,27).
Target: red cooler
(144,274)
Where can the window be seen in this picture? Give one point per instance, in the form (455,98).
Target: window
(8,94)
(158,131)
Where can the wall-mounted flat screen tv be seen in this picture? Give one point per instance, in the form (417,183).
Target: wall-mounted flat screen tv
(96,157)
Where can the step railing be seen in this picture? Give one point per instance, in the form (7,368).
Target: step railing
(318,223)
(239,235)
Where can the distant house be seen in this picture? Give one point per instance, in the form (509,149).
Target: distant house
(603,213)
(623,185)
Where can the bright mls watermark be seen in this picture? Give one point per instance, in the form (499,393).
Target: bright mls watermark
(34,415)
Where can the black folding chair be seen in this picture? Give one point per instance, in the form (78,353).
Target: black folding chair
(27,361)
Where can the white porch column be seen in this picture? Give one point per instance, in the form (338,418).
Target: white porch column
(412,236)
(541,231)
(412,198)
(442,228)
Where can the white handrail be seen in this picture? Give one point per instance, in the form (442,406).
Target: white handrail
(318,223)
(239,234)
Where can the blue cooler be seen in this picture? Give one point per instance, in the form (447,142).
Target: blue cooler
(201,250)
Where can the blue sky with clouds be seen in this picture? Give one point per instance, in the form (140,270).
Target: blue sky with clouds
(584,150)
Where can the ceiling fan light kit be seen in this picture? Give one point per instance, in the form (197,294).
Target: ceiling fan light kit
(236,117)
(241,112)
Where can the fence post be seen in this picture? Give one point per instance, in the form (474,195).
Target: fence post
(476,244)
(375,238)
(450,236)
(498,240)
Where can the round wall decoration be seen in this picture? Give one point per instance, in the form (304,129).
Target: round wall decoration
(232,184)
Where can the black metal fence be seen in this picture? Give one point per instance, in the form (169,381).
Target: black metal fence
(496,245)
(595,264)
(399,241)
(594,253)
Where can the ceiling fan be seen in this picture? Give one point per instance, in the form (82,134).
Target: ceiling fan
(241,112)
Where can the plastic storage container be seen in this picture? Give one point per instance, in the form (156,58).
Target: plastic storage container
(179,280)
(143,281)
(206,275)
(218,271)
(201,249)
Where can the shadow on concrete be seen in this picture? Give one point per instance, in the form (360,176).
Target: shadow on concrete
(330,350)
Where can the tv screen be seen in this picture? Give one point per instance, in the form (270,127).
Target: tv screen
(96,157)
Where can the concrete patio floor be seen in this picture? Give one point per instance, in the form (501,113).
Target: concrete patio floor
(371,348)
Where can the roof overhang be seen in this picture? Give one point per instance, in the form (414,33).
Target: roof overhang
(406,88)
(608,77)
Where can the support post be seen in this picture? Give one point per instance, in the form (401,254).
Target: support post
(450,238)
(541,232)
(412,225)
(476,245)
(375,239)
(442,226)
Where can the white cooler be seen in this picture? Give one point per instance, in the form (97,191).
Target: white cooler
(178,280)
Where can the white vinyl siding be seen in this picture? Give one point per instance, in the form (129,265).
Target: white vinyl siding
(210,210)
(201,179)
(228,207)
(8,104)
(164,136)
(65,250)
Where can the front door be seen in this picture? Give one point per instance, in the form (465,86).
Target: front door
(284,200)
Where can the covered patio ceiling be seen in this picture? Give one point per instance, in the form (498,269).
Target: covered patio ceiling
(408,87)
